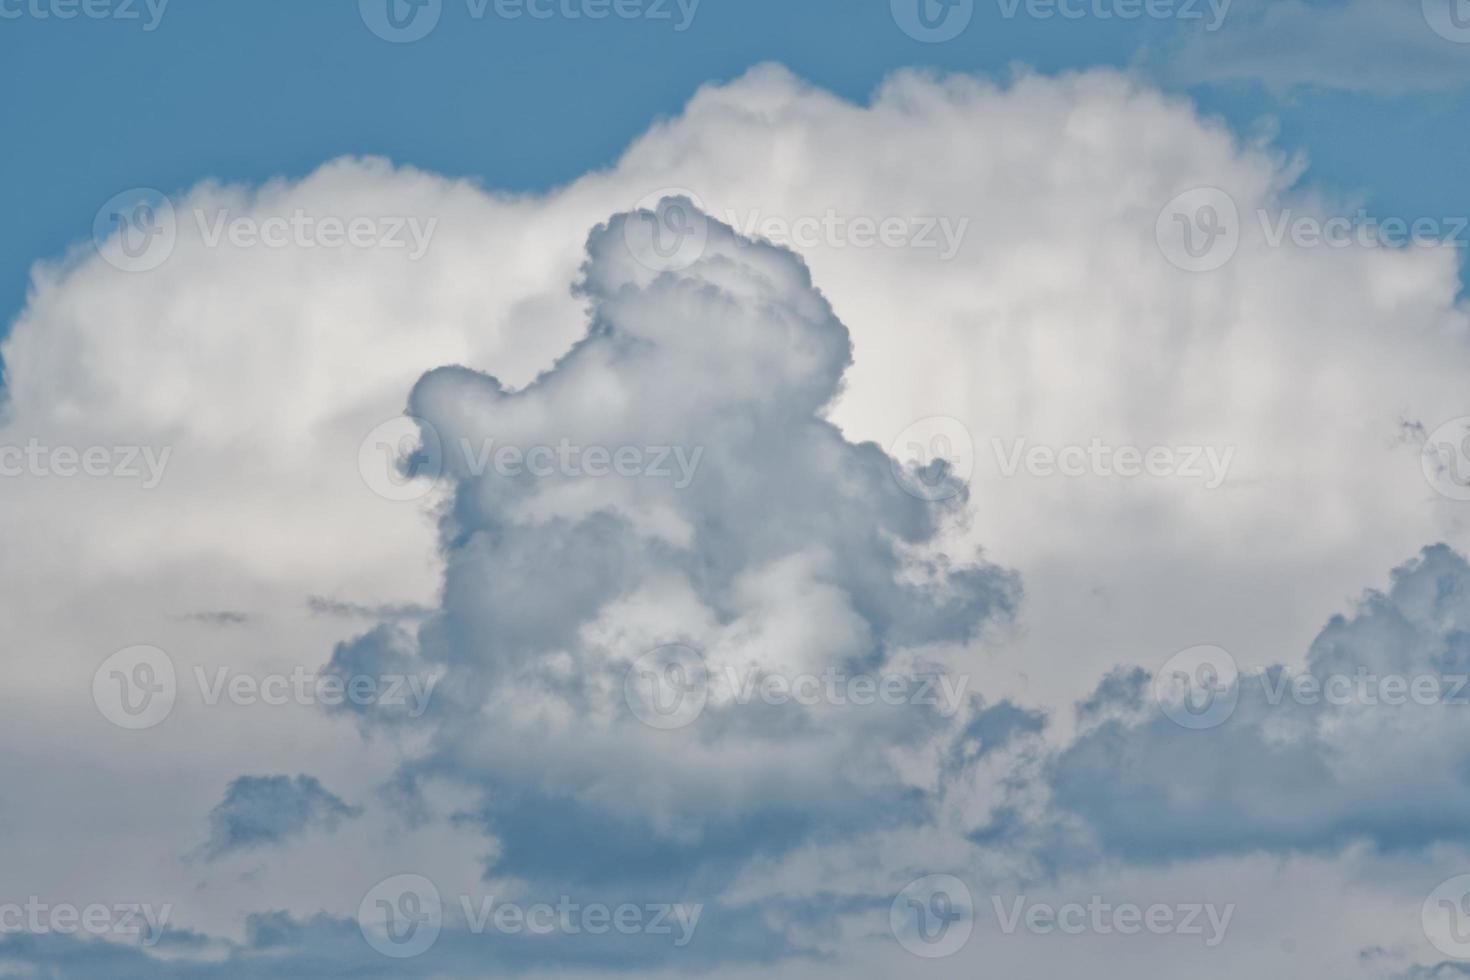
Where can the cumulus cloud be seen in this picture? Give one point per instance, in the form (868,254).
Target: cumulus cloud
(791,553)
(1057,318)
(1365,744)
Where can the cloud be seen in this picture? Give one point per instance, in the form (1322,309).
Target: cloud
(1057,319)
(221,618)
(1374,46)
(1366,745)
(323,606)
(791,552)
(259,811)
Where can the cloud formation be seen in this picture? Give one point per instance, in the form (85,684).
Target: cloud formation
(258,811)
(791,548)
(792,553)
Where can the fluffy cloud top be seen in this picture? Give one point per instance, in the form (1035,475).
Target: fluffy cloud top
(791,552)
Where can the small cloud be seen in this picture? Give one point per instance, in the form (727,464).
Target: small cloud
(223,617)
(322,606)
(258,811)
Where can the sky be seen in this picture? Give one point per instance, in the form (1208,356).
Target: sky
(599,488)
(249,92)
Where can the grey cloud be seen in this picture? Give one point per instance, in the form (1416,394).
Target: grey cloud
(262,810)
(323,606)
(221,618)
(1287,773)
(792,548)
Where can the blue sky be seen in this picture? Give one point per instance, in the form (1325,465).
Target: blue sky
(249,91)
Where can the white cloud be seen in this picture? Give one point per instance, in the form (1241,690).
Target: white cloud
(1058,320)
